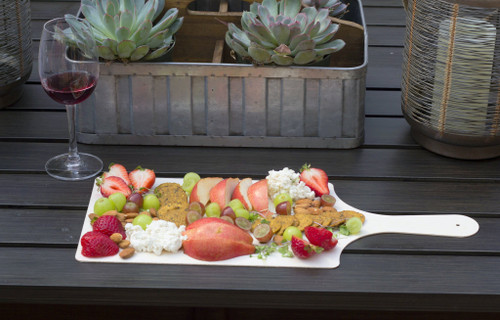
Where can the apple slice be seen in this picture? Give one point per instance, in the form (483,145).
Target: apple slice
(201,190)
(241,192)
(222,192)
(257,194)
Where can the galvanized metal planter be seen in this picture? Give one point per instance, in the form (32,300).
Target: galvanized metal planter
(229,104)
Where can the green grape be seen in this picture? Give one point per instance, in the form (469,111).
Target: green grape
(354,225)
(212,210)
(118,200)
(292,231)
(241,212)
(142,220)
(190,179)
(236,204)
(282,197)
(103,205)
(151,201)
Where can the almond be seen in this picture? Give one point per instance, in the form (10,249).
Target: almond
(116,237)
(124,244)
(93,217)
(127,253)
(153,212)
(146,213)
(130,220)
(110,213)
(131,215)
(121,216)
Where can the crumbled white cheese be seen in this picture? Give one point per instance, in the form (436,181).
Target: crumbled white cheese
(159,235)
(287,180)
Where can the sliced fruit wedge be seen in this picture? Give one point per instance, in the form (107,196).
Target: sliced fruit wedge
(201,190)
(222,192)
(241,192)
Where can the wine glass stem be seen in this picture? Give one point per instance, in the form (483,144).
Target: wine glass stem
(73,156)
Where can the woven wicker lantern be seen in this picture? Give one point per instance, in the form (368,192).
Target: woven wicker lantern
(451,76)
(15,49)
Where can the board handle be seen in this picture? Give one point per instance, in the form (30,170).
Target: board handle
(445,225)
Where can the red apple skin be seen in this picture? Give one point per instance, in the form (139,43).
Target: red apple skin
(201,190)
(214,239)
(241,193)
(222,192)
(257,194)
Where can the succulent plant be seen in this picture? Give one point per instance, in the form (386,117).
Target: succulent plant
(125,29)
(336,7)
(282,33)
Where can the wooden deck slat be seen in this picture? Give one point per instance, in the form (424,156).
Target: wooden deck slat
(374,195)
(391,164)
(39,126)
(104,284)
(62,227)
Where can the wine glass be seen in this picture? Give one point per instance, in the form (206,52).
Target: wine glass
(69,68)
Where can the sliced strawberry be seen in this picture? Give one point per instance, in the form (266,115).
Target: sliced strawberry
(303,249)
(117,170)
(96,244)
(112,185)
(320,237)
(109,225)
(142,179)
(315,178)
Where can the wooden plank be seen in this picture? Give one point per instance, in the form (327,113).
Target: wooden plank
(385,36)
(62,228)
(388,16)
(382,3)
(45,10)
(384,196)
(385,68)
(383,103)
(391,163)
(38,125)
(445,283)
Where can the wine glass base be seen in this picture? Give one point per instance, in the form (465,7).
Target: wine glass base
(88,167)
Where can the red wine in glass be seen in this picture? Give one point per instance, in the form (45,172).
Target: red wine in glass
(70,87)
(69,69)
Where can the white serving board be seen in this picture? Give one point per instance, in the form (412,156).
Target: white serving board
(450,225)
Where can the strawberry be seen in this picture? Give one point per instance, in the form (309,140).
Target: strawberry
(109,225)
(96,244)
(142,179)
(316,179)
(112,185)
(320,237)
(117,170)
(303,249)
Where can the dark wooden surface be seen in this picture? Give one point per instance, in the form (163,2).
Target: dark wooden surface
(386,276)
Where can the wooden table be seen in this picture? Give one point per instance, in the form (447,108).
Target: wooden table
(385,276)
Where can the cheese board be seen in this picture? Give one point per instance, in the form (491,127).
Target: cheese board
(447,225)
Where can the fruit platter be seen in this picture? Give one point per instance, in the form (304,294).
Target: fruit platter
(288,219)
